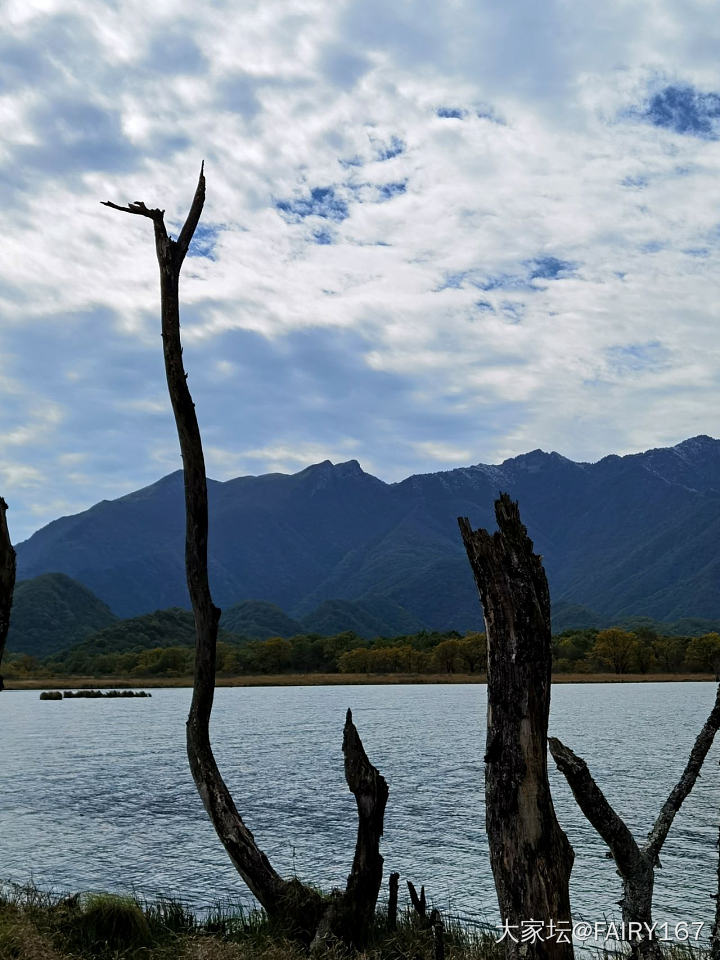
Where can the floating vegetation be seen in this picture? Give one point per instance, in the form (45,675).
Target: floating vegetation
(91,694)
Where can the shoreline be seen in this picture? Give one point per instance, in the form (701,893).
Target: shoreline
(331,679)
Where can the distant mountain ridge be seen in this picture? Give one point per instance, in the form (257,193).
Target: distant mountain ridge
(635,535)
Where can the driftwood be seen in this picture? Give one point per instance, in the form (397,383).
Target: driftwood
(7,579)
(531,857)
(304,912)
(636,864)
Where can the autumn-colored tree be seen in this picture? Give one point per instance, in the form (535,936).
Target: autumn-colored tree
(645,654)
(354,661)
(670,653)
(447,655)
(273,655)
(473,652)
(703,653)
(617,649)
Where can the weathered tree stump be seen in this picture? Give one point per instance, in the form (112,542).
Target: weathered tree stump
(530,855)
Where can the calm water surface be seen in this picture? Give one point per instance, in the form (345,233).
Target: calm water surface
(96,794)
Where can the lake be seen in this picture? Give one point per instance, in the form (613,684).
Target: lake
(96,794)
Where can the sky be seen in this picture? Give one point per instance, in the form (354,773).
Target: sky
(435,234)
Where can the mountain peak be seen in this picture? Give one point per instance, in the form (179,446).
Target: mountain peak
(326,468)
(699,445)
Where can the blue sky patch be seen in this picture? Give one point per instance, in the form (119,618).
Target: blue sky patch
(322,237)
(323,202)
(637,182)
(390,150)
(686,110)
(485,112)
(539,268)
(549,268)
(389,190)
(633,357)
(513,312)
(203,242)
(451,113)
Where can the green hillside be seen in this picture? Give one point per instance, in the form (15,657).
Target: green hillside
(259,619)
(52,612)
(162,630)
(377,617)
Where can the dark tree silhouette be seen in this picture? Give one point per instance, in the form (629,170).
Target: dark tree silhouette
(304,912)
(531,857)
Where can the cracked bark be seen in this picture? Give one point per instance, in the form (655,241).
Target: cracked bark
(302,910)
(635,863)
(530,855)
(7,579)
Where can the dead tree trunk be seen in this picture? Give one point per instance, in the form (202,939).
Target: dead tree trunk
(531,857)
(7,579)
(299,908)
(635,864)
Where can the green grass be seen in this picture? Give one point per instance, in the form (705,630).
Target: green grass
(44,926)
(35,925)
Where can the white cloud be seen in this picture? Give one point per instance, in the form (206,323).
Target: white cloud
(418,261)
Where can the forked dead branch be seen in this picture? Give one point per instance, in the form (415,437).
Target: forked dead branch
(635,863)
(304,912)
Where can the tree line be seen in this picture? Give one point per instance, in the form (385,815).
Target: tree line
(613,650)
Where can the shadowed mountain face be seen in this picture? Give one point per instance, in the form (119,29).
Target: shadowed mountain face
(634,535)
(52,612)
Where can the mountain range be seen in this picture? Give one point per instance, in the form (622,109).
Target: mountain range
(632,535)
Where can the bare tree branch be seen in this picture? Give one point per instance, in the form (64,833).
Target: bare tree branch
(137,207)
(636,864)
(596,808)
(682,788)
(192,219)
(419,902)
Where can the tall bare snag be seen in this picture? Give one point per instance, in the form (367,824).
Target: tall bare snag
(531,857)
(302,910)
